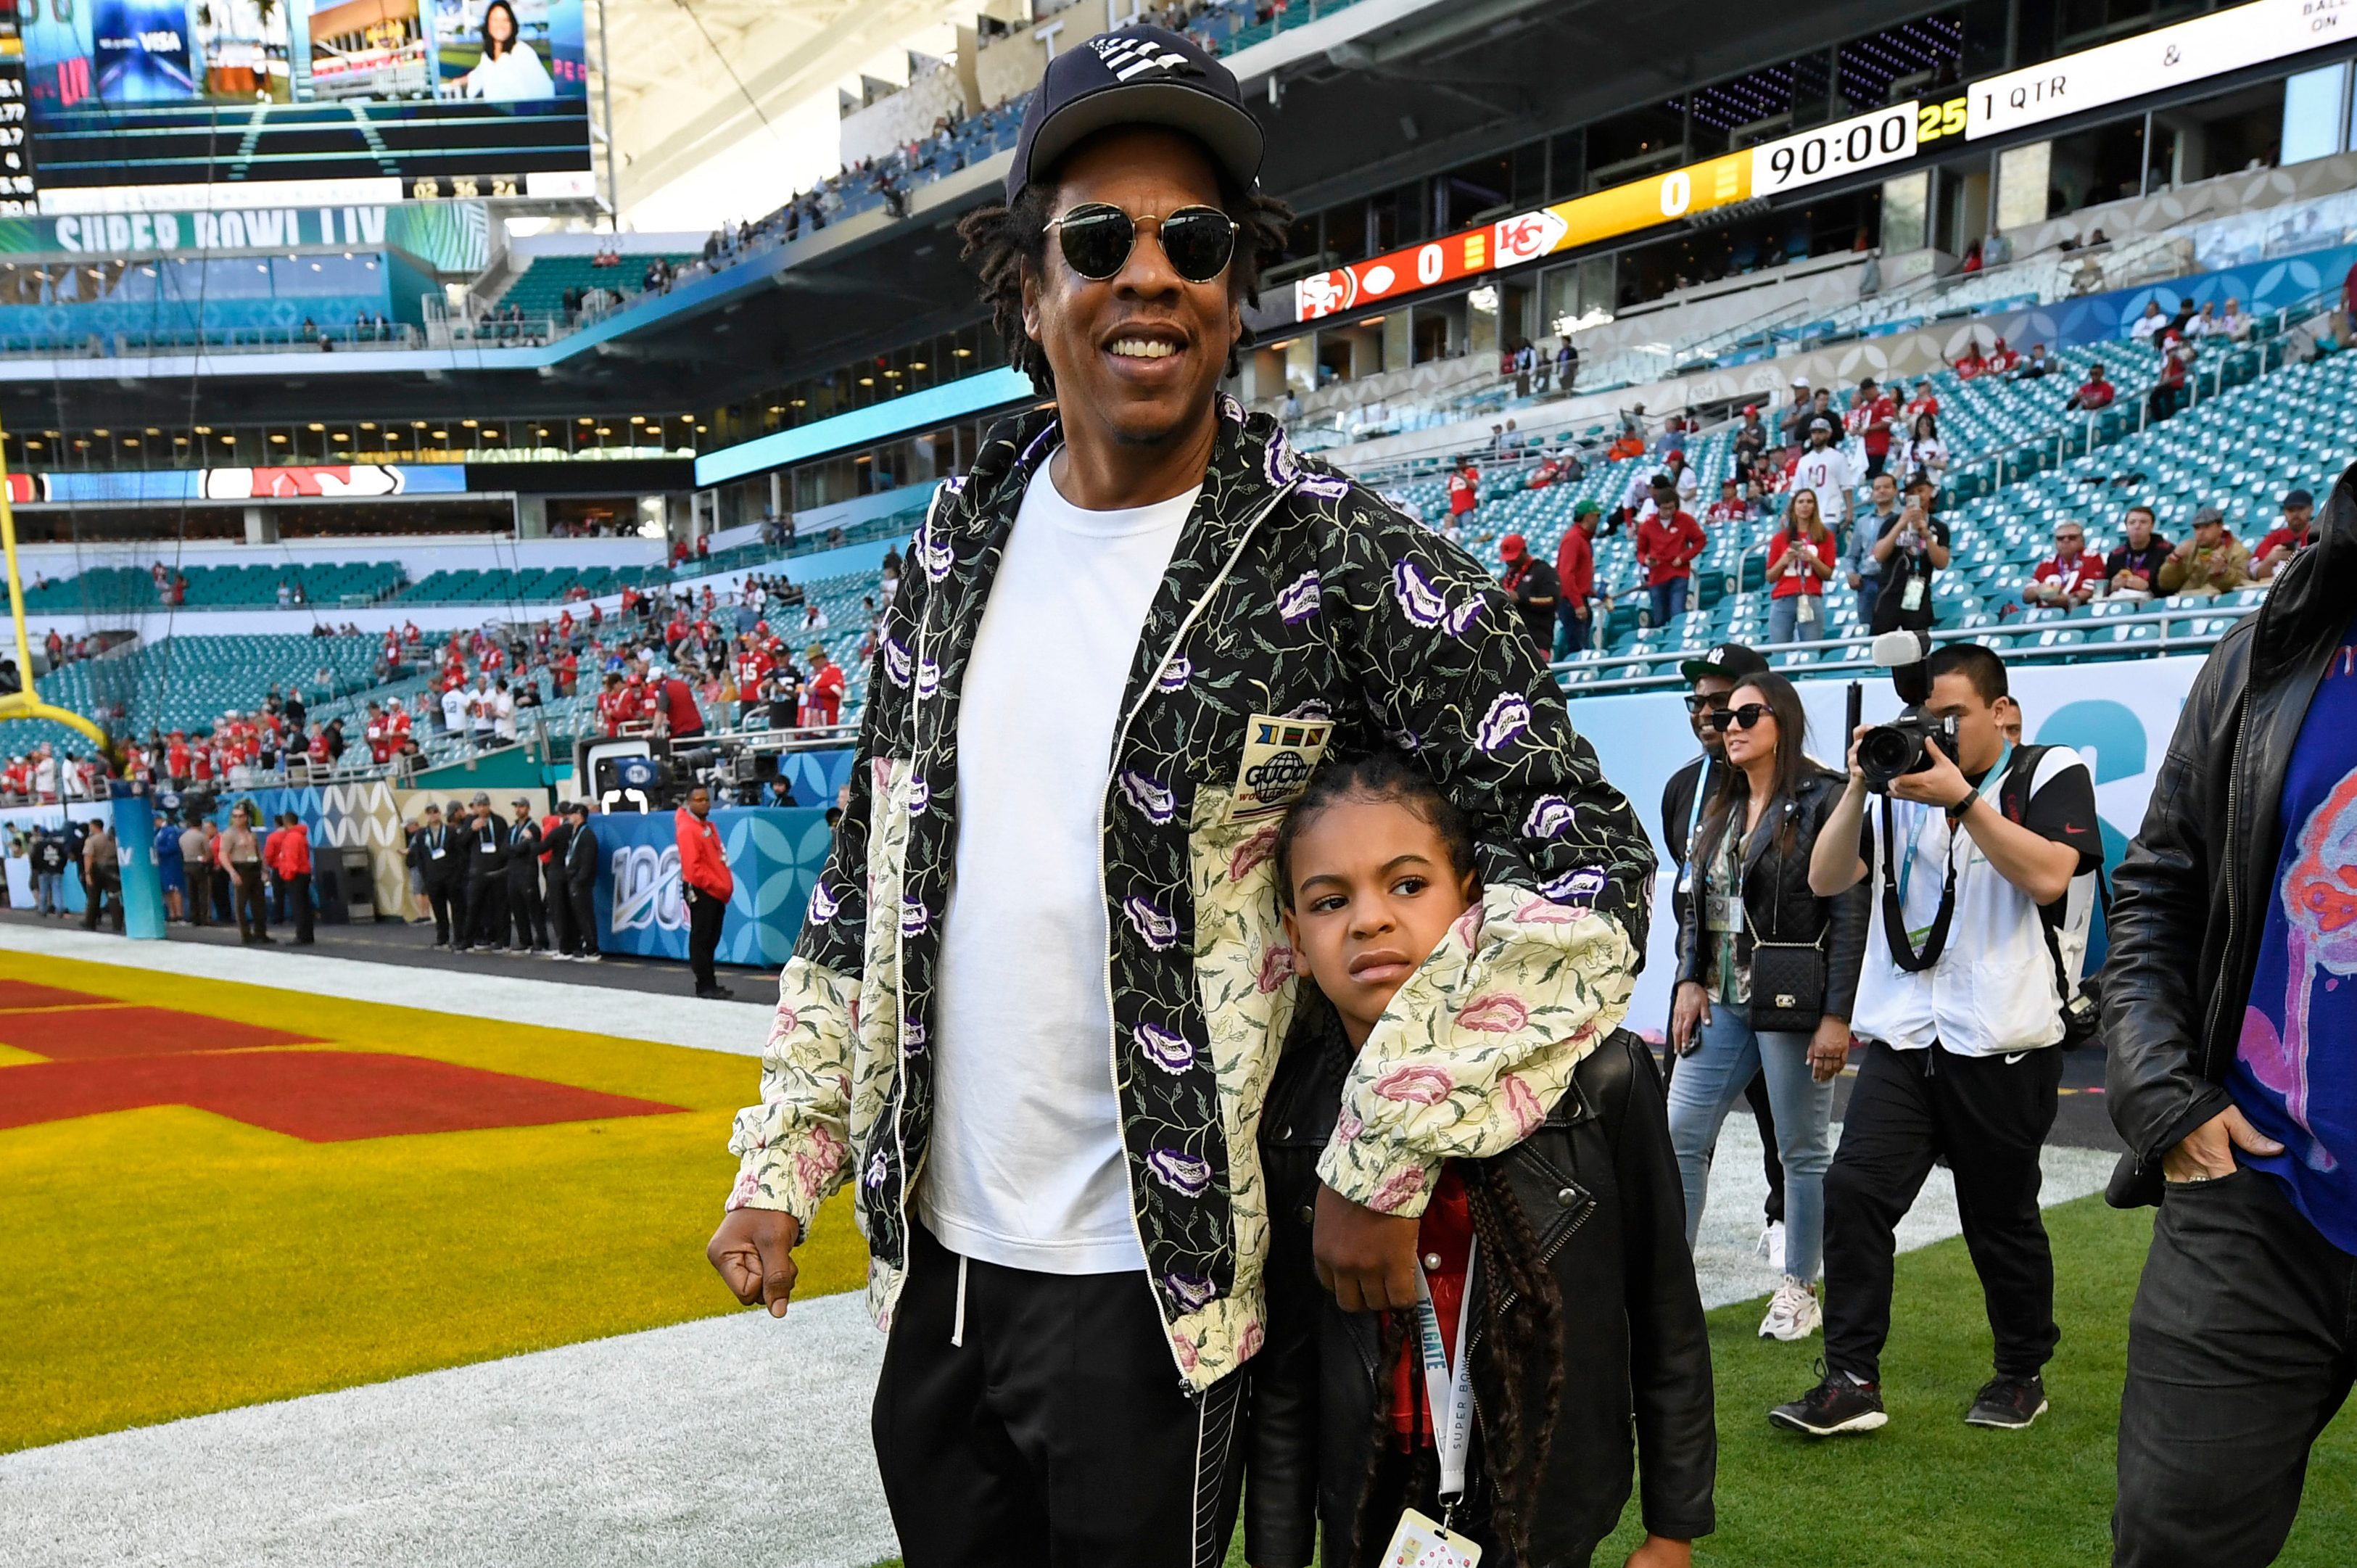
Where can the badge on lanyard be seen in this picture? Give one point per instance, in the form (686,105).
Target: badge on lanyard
(1911,596)
(1418,1542)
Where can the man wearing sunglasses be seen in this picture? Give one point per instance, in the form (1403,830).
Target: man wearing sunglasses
(1711,680)
(1043,984)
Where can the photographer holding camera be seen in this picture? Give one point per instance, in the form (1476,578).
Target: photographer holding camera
(1982,857)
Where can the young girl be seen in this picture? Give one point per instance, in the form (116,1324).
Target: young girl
(1585,1323)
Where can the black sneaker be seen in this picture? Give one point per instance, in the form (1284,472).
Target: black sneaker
(1838,1403)
(716,994)
(2008,1402)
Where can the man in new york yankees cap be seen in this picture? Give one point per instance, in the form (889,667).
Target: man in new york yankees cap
(1124,642)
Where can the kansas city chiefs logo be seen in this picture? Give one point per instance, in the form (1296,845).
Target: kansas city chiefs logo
(1527,236)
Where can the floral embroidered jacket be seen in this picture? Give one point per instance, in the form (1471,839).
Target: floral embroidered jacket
(1301,616)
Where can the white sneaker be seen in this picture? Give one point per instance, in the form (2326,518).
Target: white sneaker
(1793,1312)
(1771,1245)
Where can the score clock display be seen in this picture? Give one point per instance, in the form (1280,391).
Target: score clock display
(1830,152)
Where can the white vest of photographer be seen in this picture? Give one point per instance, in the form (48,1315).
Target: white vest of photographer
(1992,992)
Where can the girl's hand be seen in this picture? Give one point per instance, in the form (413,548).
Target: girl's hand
(1660,1552)
(1829,1049)
(1688,1014)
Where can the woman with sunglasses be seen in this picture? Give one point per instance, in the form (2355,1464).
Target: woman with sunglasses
(1766,977)
(1800,563)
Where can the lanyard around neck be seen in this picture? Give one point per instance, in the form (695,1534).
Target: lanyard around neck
(1449,1390)
(1993,779)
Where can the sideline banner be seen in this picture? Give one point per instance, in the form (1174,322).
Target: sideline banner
(773,853)
(2118,716)
(134,852)
(342,816)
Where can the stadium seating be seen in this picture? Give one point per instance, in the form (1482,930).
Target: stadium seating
(539,290)
(132,589)
(530,585)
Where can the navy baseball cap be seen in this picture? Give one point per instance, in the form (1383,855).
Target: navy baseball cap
(1735,661)
(1136,76)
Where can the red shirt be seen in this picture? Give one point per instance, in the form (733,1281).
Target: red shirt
(1792,579)
(824,697)
(1872,422)
(1574,565)
(1446,1232)
(1971,365)
(1464,492)
(379,742)
(678,701)
(701,865)
(1667,549)
(2295,537)
(2085,575)
(2096,394)
(1922,404)
(176,759)
(397,725)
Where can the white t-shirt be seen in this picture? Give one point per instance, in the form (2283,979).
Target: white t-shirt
(480,704)
(1027,1168)
(504,714)
(454,710)
(1829,472)
(1992,992)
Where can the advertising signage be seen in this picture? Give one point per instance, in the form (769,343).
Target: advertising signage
(2152,62)
(375,95)
(2156,61)
(328,481)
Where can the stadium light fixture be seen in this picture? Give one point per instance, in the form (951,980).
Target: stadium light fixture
(638,419)
(102,434)
(605,430)
(441,436)
(204,429)
(917,364)
(277,438)
(416,424)
(315,425)
(368,424)
(32,446)
(964,353)
(585,419)
(867,380)
(468,423)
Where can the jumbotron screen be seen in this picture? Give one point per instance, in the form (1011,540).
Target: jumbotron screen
(381,99)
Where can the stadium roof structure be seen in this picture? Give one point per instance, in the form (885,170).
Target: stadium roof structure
(690,78)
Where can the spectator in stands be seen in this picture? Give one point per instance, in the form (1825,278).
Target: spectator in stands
(2233,325)
(482,712)
(707,885)
(2135,563)
(2211,562)
(1792,420)
(2095,392)
(1464,495)
(1575,570)
(2146,326)
(1912,549)
(1961,1030)
(1857,557)
(2227,1034)
(1567,363)
(2177,356)
(2296,533)
(1744,875)
(1973,364)
(1731,507)
(2002,360)
(823,692)
(2036,368)
(1871,414)
(1534,586)
(1926,454)
(2071,577)
(1826,471)
(1750,437)
(1667,543)
(1800,563)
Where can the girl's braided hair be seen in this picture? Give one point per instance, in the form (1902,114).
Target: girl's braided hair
(1000,239)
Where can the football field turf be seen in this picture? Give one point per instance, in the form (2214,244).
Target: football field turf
(217,1194)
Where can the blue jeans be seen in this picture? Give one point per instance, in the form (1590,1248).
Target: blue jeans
(50,893)
(1571,632)
(1868,587)
(1784,623)
(1669,600)
(1706,1086)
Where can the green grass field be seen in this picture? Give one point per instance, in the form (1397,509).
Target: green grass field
(1928,1489)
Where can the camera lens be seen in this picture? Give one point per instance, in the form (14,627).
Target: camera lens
(1885,752)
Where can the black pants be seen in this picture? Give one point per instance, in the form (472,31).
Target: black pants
(524,914)
(299,888)
(584,919)
(2240,1350)
(447,905)
(103,898)
(1988,1117)
(1056,1433)
(487,911)
(249,900)
(704,913)
(199,898)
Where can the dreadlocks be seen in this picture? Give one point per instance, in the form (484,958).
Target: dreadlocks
(1001,240)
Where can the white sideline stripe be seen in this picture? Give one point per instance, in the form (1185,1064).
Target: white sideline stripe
(741,1029)
(729,1441)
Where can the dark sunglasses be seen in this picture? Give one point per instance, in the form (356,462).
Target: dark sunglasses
(1697,702)
(1748,716)
(1097,237)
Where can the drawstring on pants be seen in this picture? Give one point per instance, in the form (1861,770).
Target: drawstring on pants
(957,1323)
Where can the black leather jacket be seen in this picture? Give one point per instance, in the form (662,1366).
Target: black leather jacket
(1600,1187)
(1778,905)
(2190,898)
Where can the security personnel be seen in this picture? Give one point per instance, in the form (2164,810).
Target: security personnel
(526,915)
(705,883)
(434,850)
(580,882)
(487,853)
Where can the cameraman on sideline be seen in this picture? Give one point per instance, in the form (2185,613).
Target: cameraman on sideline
(1959,1010)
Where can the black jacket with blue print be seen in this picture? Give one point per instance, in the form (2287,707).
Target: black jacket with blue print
(1301,616)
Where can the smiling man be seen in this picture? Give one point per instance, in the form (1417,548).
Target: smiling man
(1044,984)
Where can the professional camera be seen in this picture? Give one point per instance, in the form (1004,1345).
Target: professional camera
(1891,751)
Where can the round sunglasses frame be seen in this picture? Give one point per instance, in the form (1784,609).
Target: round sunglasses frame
(1102,215)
